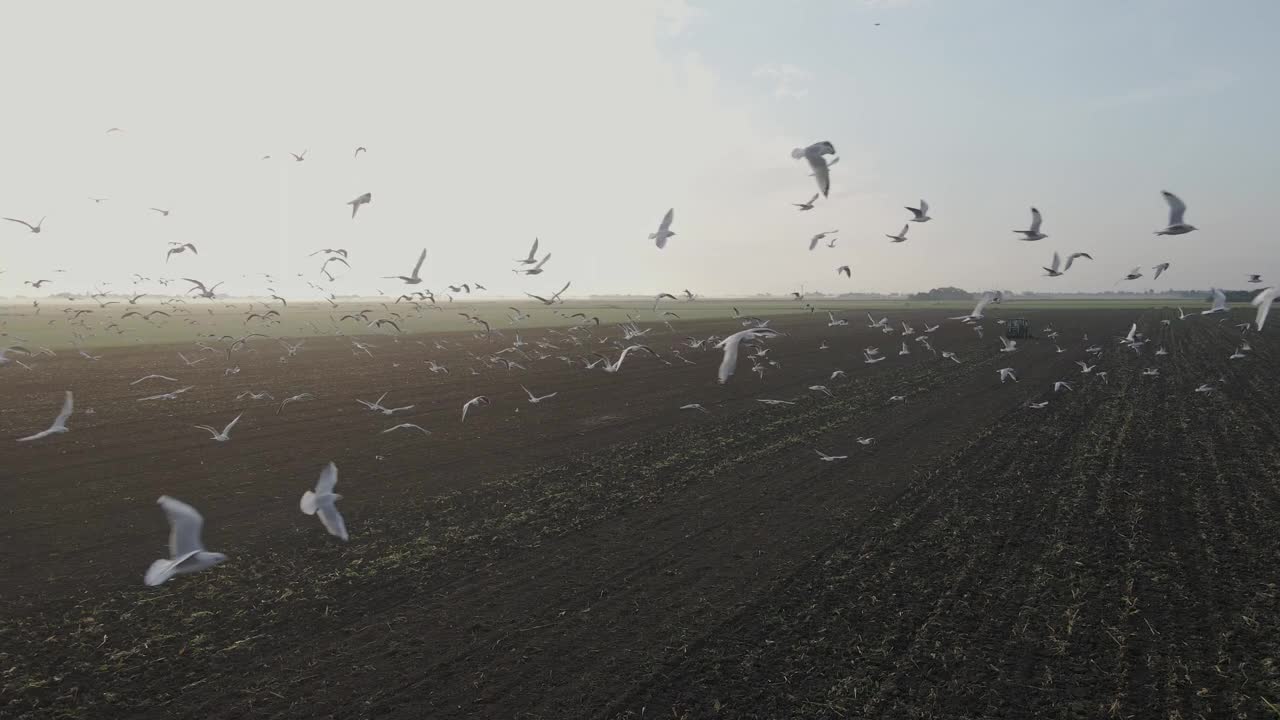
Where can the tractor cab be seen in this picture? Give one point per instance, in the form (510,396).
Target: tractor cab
(1017,329)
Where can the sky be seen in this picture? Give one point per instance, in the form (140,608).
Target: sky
(581,122)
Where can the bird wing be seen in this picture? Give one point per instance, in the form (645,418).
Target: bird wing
(1176,207)
(418,266)
(231,424)
(328,479)
(544,260)
(665,225)
(821,172)
(24,222)
(1035,220)
(332,519)
(730,360)
(1056,261)
(185,524)
(1219,298)
(1263,302)
(533,250)
(67,404)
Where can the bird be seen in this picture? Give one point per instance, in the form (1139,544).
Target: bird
(473,402)
(845,269)
(807,205)
(1159,270)
(813,241)
(153,377)
(404,426)
(664,231)
(536,269)
(180,249)
(1134,274)
(364,199)
(1038,405)
(533,399)
(1005,374)
(299,158)
(1060,385)
(225,434)
(731,344)
(901,236)
(1052,269)
(864,440)
(1072,258)
(59,425)
(359,150)
(815,156)
(36,284)
(1033,233)
(1008,345)
(186,551)
(533,251)
(695,406)
(986,299)
(1263,301)
(33,228)
(830,458)
(1177,209)
(323,502)
(162,211)
(1254,278)
(1085,368)
(616,366)
(412,278)
(921,213)
(377,406)
(1219,303)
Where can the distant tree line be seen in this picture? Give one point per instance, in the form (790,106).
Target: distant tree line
(943,293)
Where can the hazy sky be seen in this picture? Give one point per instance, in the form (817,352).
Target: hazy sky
(582,121)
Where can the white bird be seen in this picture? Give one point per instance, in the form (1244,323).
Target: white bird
(900,237)
(1134,274)
(730,345)
(533,251)
(59,423)
(535,399)
(1052,270)
(664,231)
(364,199)
(807,205)
(768,401)
(223,436)
(950,356)
(833,322)
(153,377)
(1005,374)
(473,402)
(186,551)
(189,363)
(822,389)
(864,440)
(1038,405)
(921,213)
(695,406)
(323,502)
(905,350)
(986,299)
(1159,270)
(1033,233)
(830,458)
(1177,209)
(616,366)
(1255,278)
(1009,345)
(536,269)
(167,396)
(377,406)
(403,426)
(413,278)
(815,156)
(1204,388)
(1263,301)
(838,375)
(1219,303)
(1059,385)
(870,359)
(1085,368)
(1237,355)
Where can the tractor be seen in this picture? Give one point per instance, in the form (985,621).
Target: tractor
(1017,329)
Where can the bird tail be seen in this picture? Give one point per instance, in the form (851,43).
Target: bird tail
(653,235)
(797,153)
(160,571)
(308,503)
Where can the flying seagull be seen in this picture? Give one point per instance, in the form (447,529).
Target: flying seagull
(535,399)
(323,502)
(986,299)
(59,423)
(33,228)
(731,344)
(814,155)
(412,278)
(845,269)
(1177,209)
(1219,303)
(478,401)
(900,237)
(921,213)
(186,551)
(533,251)
(1263,301)
(162,211)
(364,199)
(664,229)
(299,158)
(1159,269)
(536,269)
(1255,278)
(181,249)
(225,434)
(1033,233)
(807,205)
(359,150)
(813,241)
(830,458)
